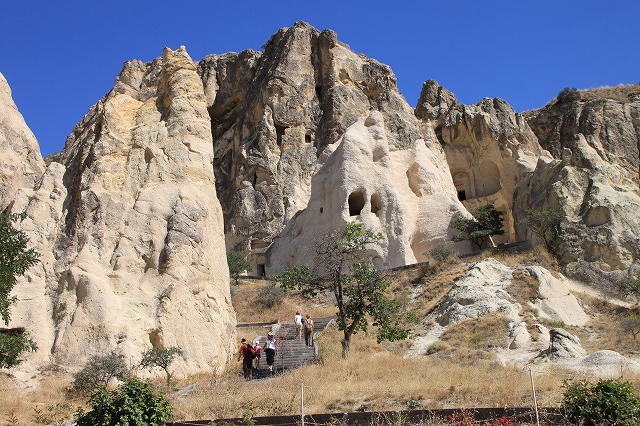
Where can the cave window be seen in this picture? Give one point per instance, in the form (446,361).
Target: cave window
(307,138)
(462,195)
(260,271)
(376,204)
(356,203)
(321,210)
(279,133)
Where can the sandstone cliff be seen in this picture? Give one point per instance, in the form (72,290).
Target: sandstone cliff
(21,164)
(131,229)
(406,195)
(489,148)
(272,115)
(595,138)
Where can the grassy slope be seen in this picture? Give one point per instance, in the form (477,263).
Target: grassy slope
(460,374)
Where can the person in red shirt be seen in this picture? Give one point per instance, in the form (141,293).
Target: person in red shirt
(247,354)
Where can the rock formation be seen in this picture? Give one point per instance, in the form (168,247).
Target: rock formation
(594,180)
(272,115)
(488,146)
(131,230)
(406,195)
(21,164)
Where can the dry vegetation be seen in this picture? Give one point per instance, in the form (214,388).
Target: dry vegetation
(619,93)
(459,372)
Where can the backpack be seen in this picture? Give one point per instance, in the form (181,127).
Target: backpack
(308,325)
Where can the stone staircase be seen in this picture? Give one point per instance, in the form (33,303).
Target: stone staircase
(291,352)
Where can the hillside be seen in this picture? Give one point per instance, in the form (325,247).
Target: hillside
(472,364)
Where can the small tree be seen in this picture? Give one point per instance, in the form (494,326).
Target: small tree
(631,324)
(133,403)
(343,267)
(237,264)
(12,346)
(160,357)
(15,259)
(486,221)
(544,223)
(99,371)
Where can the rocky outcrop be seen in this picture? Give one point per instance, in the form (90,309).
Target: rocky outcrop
(405,195)
(593,181)
(133,242)
(488,146)
(21,163)
(272,115)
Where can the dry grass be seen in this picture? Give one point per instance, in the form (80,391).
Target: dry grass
(461,373)
(365,381)
(248,308)
(618,93)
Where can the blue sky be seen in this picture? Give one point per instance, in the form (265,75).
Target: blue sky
(60,57)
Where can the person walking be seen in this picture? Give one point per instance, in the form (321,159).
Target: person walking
(270,350)
(258,352)
(308,331)
(298,320)
(247,355)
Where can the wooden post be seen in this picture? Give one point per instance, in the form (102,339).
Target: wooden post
(535,401)
(302,404)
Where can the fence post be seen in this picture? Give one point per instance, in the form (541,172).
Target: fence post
(535,401)
(302,404)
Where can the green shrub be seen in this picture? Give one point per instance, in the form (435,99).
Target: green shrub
(442,251)
(98,372)
(134,403)
(569,94)
(270,296)
(607,402)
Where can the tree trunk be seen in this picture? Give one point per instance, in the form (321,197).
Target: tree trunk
(346,347)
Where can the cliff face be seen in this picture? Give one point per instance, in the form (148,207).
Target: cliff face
(489,148)
(133,243)
(405,195)
(274,113)
(266,152)
(594,180)
(21,164)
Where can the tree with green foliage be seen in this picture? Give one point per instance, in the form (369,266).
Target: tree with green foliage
(160,357)
(343,266)
(133,403)
(237,264)
(486,221)
(607,402)
(99,371)
(544,223)
(15,259)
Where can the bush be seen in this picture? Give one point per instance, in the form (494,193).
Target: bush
(12,346)
(569,94)
(98,372)
(133,403)
(442,251)
(606,402)
(270,296)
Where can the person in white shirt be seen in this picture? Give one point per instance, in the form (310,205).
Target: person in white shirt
(298,321)
(270,350)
